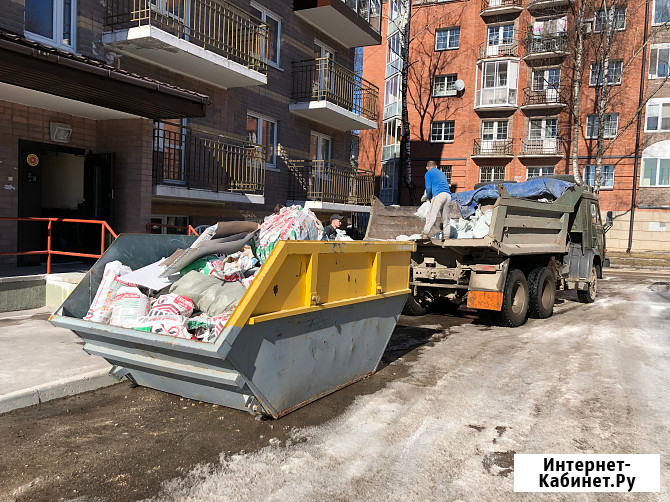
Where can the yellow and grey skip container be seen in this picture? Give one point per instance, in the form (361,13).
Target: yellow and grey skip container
(317,317)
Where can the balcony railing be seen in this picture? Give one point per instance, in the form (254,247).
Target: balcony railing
(493,147)
(496,97)
(543,4)
(556,45)
(545,97)
(501,4)
(215,25)
(504,50)
(323,79)
(330,181)
(552,147)
(187,158)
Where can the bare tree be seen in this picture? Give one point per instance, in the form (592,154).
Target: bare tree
(405,158)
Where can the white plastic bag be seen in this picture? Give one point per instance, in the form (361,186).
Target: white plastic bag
(101,306)
(172,304)
(423,210)
(129,306)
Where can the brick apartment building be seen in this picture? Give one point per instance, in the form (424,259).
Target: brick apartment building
(488,89)
(178,112)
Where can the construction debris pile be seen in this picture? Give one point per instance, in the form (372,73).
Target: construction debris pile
(194,292)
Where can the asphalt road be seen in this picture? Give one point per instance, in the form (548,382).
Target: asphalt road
(441,420)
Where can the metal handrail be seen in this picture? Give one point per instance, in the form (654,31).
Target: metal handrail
(323,79)
(543,146)
(48,251)
(543,97)
(510,49)
(330,181)
(492,4)
(540,44)
(493,147)
(216,25)
(186,157)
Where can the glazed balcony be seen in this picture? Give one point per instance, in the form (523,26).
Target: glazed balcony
(498,7)
(330,185)
(544,99)
(497,99)
(328,93)
(506,50)
(542,147)
(191,164)
(212,40)
(546,47)
(493,148)
(353,23)
(535,5)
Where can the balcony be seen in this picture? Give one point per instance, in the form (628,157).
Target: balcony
(498,7)
(493,148)
(211,40)
(330,94)
(545,99)
(330,186)
(496,99)
(542,147)
(353,23)
(546,47)
(507,50)
(535,5)
(390,151)
(190,164)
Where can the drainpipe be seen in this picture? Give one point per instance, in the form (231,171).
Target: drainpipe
(636,167)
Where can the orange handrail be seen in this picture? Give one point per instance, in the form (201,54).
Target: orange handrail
(191,230)
(104,227)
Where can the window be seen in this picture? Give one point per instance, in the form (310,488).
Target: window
(658,116)
(273,23)
(263,131)
(395,9)
(392,90)
(53,22)
(491,174)
(393,48)
(320,146)
(448,38)
(614,69)
(443,85)
(163,224)
(494,130)
(388,182)
(661,11)
(446,170)
(548,78)
(441,132)
(611,126)
(606,180)
(618,22)
(499,38)
(169,148)
(658,61)
(498,84)
(535,172)
(543,128)
(655,172)
(392,132)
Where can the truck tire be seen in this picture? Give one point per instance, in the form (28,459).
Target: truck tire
(541,293)
(589,295)
(515,300)
(414,308)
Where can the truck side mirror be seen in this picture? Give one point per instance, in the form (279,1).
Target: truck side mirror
(609,221)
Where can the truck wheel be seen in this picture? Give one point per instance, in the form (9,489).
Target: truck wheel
(414,308)
(589,295)
(541,293)
(515,300)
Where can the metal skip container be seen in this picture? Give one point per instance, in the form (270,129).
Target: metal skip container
(317,317)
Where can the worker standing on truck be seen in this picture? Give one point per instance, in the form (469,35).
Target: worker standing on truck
(437,191)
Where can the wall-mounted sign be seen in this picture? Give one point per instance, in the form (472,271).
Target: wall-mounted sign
(32,160)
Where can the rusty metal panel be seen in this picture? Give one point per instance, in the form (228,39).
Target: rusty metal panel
(487,300)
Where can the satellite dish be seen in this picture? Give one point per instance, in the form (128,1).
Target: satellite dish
(459,85)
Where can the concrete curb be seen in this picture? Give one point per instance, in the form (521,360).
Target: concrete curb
(54,390)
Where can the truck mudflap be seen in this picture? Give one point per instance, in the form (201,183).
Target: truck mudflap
(317,317)
(487,282)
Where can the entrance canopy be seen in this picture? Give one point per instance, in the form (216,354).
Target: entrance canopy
(39,75)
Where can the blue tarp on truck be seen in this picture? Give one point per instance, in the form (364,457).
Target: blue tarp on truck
(533,188)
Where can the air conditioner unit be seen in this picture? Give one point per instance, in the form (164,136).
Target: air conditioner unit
(60,133)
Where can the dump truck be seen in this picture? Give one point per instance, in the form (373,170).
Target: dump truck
(532,249)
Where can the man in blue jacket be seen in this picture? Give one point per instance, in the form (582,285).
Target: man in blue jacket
(437,191)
